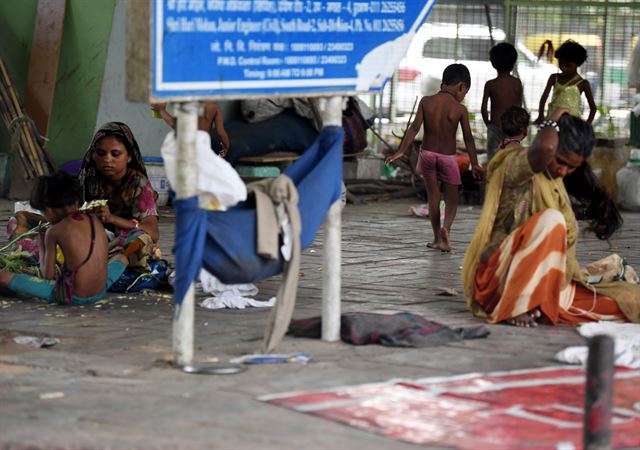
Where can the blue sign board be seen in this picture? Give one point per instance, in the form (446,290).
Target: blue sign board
(240,48)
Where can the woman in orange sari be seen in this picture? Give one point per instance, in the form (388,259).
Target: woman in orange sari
(521,267)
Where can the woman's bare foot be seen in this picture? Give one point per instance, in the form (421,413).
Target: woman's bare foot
(445,245)
(528,319)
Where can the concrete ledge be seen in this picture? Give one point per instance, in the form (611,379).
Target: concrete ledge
(360,168)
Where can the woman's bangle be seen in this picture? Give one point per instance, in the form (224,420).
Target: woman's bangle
(549,123)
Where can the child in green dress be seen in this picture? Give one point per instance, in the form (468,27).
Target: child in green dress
(568,86)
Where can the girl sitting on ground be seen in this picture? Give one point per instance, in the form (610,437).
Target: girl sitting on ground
(85,275)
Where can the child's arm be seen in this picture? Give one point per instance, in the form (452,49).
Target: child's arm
(470,144)
(485,100)
(222,133)
(543,99)
(520,92)
(586,88)
(162,109)
(148,224)
(410,135)
(48,254)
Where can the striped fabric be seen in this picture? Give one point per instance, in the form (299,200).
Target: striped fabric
(528,272)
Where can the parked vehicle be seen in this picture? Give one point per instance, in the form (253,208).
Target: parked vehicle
(436,45)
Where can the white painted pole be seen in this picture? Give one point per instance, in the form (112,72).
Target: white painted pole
(186,186)
(331,273)
(331,113)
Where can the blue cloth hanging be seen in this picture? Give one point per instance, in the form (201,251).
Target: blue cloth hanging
(224,242)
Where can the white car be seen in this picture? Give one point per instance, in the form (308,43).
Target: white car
(437,45)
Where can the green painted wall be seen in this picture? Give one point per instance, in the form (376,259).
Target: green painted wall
(17,19)
(84,51)
(87,26)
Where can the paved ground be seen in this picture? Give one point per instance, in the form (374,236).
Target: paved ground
(108,384)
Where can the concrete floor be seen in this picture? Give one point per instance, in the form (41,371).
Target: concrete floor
(109,383)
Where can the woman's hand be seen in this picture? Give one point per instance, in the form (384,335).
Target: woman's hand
(223,152)
(102,212)
(159,107)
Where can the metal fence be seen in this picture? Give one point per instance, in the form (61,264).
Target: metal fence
(465,31)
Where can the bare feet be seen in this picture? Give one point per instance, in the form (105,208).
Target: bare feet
(528,319)
(434,245)
(445,246)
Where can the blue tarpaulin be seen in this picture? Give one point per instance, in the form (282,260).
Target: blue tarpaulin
(224,242)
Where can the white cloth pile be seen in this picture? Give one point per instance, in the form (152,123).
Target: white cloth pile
(234,296)
(626,338)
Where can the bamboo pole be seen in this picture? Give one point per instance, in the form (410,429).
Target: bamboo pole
(25,137)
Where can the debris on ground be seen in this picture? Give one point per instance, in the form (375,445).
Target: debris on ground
(36,342)
(297,358)
(449,292)
(51,395)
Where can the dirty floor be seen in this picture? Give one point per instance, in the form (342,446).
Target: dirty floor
(109,383)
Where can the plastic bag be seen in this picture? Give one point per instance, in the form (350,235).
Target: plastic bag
(134,281)
(628,180)
(612,268)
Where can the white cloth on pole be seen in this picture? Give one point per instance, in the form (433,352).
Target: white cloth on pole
(218,182)
(626,338)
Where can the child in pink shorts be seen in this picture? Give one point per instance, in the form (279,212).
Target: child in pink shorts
(440,115)
(434,165)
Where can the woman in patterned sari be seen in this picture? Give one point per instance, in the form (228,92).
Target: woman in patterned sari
(113,170)
(521,267)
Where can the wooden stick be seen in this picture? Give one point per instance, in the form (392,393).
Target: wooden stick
(33,156)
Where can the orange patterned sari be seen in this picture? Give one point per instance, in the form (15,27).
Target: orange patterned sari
(522,255)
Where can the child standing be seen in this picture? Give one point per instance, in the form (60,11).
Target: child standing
(514,124)
(440,115)
(568,86)
(86,275)
(503,91)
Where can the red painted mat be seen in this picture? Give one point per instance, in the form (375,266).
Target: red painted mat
(525,409)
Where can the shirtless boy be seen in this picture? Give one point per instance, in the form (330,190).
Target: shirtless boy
(86,274)
(212,115)
(440,115)
(503,91)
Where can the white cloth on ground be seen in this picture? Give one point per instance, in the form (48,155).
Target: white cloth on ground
(626,340)
(231,302)
(234,296)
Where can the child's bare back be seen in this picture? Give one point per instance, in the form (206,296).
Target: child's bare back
(86,275)
(503,92)
(73,235)
(441,114)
